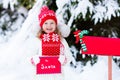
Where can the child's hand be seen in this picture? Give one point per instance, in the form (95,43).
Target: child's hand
(62,59)
(35,60)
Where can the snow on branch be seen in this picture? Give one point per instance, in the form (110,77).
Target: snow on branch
(105,10)
(100,11)
(82,7)
(6,3)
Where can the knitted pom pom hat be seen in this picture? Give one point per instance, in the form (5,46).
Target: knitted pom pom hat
(46,14)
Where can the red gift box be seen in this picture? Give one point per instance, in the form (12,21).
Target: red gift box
(48,65)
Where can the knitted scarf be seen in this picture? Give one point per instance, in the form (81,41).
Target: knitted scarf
(50,44)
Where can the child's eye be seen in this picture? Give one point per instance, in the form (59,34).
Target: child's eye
(45,23)
(51,22)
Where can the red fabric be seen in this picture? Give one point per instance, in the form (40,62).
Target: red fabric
(46,14)
(50,44)
(102,46)
(48,65)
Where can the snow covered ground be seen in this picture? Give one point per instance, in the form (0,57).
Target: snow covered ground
(97,72)
(15,65)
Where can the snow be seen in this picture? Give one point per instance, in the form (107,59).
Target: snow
(12,27)
(18,68)
(7,2)
(83,7)
(15,55)
(105,10)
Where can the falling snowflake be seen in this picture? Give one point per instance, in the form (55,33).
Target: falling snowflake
(46,37)
(55,37)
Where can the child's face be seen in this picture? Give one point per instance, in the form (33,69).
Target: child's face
(49,26)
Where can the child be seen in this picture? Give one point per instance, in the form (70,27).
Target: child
(52,44)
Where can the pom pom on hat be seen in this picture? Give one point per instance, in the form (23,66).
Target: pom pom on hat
(46,14)
(44,9)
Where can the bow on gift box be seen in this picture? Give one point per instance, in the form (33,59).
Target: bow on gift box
(79,35)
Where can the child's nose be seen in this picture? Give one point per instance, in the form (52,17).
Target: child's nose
(49,25)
